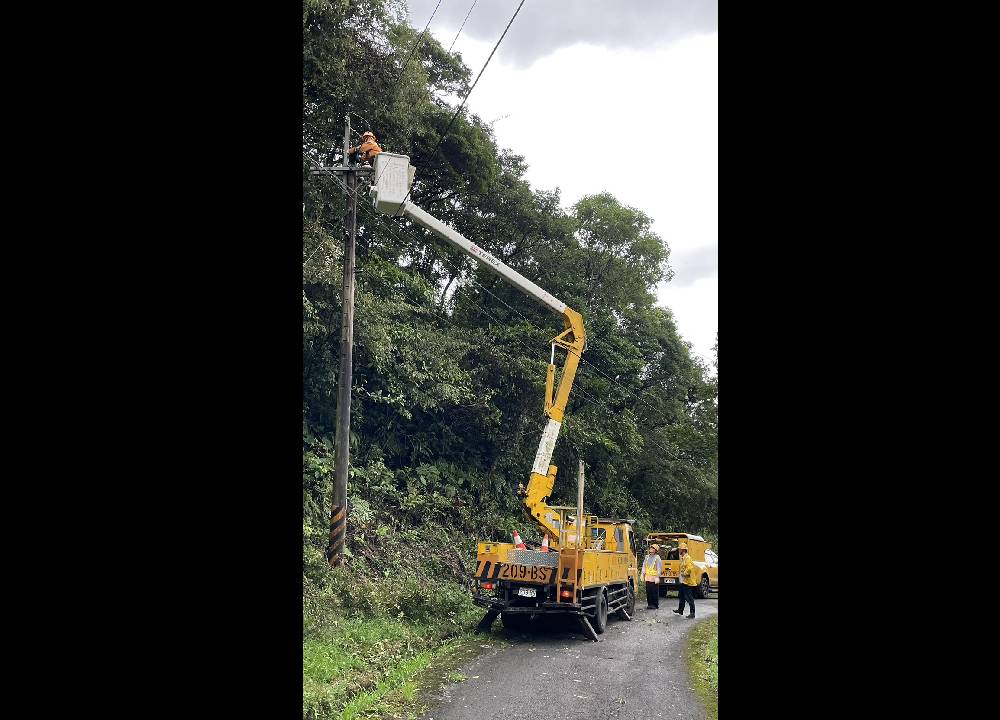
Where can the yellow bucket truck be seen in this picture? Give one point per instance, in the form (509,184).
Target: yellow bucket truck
(590,570)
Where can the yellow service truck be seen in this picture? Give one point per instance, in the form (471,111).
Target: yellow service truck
(706,561)
(590,570)
(588,580)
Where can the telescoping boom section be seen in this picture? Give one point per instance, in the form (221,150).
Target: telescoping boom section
(393,174)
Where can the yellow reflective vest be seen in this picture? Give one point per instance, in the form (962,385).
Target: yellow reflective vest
(651,568)
(688,571)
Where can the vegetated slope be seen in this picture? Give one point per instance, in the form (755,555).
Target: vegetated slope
(449,362)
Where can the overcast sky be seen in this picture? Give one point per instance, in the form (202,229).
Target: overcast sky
(616,95)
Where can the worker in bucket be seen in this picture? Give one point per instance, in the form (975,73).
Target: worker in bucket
(651,568)
(366,151)
(688,580)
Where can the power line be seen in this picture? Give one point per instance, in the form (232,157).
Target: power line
(453,117)
(402,68)
(395,80)
(362,118)
(414,46)
(463,25)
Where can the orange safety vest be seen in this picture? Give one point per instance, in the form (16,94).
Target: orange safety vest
(368,150)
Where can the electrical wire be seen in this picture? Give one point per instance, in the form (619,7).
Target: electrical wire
(457,112)
(414,46)
(463,24)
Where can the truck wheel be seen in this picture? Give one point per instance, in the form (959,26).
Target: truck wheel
(629,608)
(601,613)
(701,592)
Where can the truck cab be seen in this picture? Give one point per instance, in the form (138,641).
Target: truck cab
(705,560)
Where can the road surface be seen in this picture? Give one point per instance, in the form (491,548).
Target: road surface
(636,672)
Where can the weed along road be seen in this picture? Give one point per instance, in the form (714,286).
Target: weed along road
(636,672)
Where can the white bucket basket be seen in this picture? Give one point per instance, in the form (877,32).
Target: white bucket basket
(393,178)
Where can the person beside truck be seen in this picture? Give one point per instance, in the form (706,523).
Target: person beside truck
(688,580)
(651,568)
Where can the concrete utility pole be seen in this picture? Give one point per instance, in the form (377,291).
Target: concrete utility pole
(342,444)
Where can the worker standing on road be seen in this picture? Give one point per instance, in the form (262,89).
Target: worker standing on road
(688,580)
(651,568)
(366,151)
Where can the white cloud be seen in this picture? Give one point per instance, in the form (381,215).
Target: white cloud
(696,310)
(543,26)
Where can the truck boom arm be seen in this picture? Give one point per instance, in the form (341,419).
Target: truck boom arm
(389,196)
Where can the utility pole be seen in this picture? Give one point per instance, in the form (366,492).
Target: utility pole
(581,524)
(342,443)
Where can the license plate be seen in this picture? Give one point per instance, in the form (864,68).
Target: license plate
(527,592)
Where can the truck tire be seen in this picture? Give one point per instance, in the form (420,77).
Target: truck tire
(629,608)
(516,622)
(601,612)
(701,592)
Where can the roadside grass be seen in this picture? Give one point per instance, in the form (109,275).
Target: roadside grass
(382,634)
(375,669)
(702,654)
(376,649)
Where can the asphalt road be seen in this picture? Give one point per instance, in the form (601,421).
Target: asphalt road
(636,672)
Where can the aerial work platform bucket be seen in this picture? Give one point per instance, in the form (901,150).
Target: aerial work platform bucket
(393,177)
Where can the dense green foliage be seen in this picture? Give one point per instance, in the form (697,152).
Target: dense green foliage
(449,362)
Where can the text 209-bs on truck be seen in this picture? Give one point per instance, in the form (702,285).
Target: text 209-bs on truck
(591,569)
